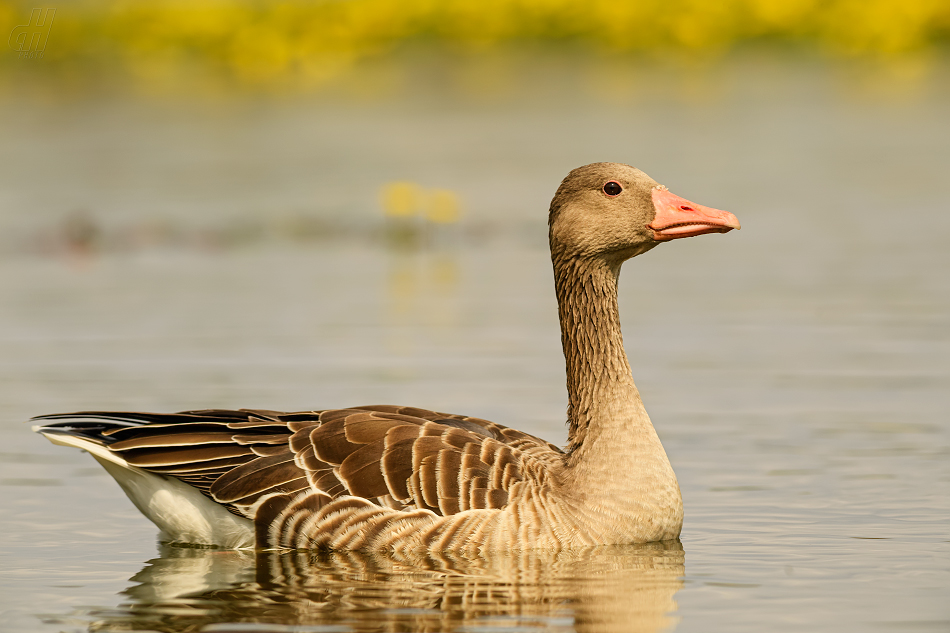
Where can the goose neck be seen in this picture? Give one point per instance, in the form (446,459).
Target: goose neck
(599,385)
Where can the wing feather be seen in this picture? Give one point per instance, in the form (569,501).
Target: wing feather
(428,482)
(448,471)
(365,428)
(161,456)
(287,467)
(329,441)
(362,474)
(396,466)
(260,475)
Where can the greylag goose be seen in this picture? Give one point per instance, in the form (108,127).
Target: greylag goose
(387,477)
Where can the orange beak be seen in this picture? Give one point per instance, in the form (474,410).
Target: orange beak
(677,217)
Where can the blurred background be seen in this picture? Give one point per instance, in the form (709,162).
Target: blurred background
(135,125)
(297,205)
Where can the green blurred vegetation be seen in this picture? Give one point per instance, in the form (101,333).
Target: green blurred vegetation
(307,43)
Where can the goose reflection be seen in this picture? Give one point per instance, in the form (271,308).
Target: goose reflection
(616,588)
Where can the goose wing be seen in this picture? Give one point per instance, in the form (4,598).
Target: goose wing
(402,458)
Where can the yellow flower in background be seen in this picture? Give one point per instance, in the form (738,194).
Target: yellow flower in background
(405,200)
(401,199)
(299,44)
(442,206)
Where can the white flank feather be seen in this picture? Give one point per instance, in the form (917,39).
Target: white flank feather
(181,512)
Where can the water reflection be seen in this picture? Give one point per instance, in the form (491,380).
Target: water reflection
(628,588)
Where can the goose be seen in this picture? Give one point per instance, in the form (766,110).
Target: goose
(399,478)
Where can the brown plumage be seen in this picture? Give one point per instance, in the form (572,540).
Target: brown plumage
(404,478)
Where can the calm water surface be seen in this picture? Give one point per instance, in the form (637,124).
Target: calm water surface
(798,371)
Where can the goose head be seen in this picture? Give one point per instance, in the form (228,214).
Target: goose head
(613,212)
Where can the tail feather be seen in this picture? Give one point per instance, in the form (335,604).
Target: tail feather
(93,430)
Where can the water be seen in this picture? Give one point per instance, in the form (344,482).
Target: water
(797,371)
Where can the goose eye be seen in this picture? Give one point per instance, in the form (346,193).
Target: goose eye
(613,188)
